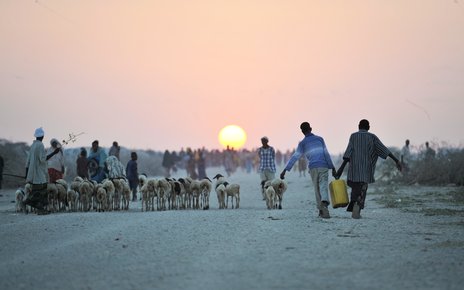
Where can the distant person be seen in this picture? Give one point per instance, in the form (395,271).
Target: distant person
(302,166)
(405,156)
(36,172)
(2,165)
(191,164)
(362,153)
(114,150)
(83,164)
(228,160)
(267,167)
(133,175)
(319,162)
(167,163)
(97,158)
(201,163)
(429,153)
(56,162)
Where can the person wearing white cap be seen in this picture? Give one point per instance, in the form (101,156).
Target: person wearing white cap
(267,166)
(36,172)
(56,162)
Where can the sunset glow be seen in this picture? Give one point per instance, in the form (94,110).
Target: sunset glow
(232,136)
(163,74)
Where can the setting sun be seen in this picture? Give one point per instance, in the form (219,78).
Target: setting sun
(232,136)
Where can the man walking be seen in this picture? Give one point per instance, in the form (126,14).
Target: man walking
(362,153)
(133,175)
(36,172)
(319,162)
(267,166)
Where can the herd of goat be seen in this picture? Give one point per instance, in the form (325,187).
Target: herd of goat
(155,194)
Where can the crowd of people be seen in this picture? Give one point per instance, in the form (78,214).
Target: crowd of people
(361,154)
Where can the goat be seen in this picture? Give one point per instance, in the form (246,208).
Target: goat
(118,190)
(86,189)
(142,182)
(280,186)
(205,190)
(20,196)
(72,198)
(269,194)
(195,189)
(126,194)
(233,191)
(220,189)
(61,194)
(101,198)
(164,192)
(110,190)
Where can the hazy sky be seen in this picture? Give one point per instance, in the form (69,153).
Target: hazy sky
(170,74)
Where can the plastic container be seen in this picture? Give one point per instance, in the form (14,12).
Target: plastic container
(338,193)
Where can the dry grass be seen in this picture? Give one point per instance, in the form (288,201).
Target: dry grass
(443,201)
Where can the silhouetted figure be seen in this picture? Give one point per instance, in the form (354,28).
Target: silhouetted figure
(313,148)
(267,167)
(36,173)
(82,164)
(429,155)
(168,163)
(201,163)
(362,152)
(405,157)
(133,175)
(114,150)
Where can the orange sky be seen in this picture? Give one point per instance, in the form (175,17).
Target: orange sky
(171,74)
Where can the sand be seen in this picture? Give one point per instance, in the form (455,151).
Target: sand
(408,238)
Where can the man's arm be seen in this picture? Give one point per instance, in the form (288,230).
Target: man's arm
(398,163)
(342,167)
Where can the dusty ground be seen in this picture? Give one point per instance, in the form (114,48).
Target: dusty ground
(408,238)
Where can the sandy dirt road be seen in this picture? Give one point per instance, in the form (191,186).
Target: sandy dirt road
(391,247)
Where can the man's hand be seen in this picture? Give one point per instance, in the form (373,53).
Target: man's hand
(334,173)
(399,166)
(282,174)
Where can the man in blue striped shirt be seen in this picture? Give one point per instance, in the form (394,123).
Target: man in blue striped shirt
(319,162)
(362,153)
(267,166)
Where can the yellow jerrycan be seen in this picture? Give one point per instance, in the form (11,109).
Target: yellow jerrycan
(338,193)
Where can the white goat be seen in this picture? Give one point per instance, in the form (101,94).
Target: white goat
(118,190)
(20,196)
(110,191)
(126,194)
(269,195)
(85,189)
(220,189)
(152,185)
(280,186)
(195,189)
(205,190)
(101,198)
(142,182)
(164,192)
(233,191)
(72,199)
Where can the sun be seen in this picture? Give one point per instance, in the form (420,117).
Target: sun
(232,136)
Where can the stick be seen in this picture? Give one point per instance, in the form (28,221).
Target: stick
(14,175)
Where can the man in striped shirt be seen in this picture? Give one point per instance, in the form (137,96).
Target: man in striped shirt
(362,153)
(319,162)
(267,166)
